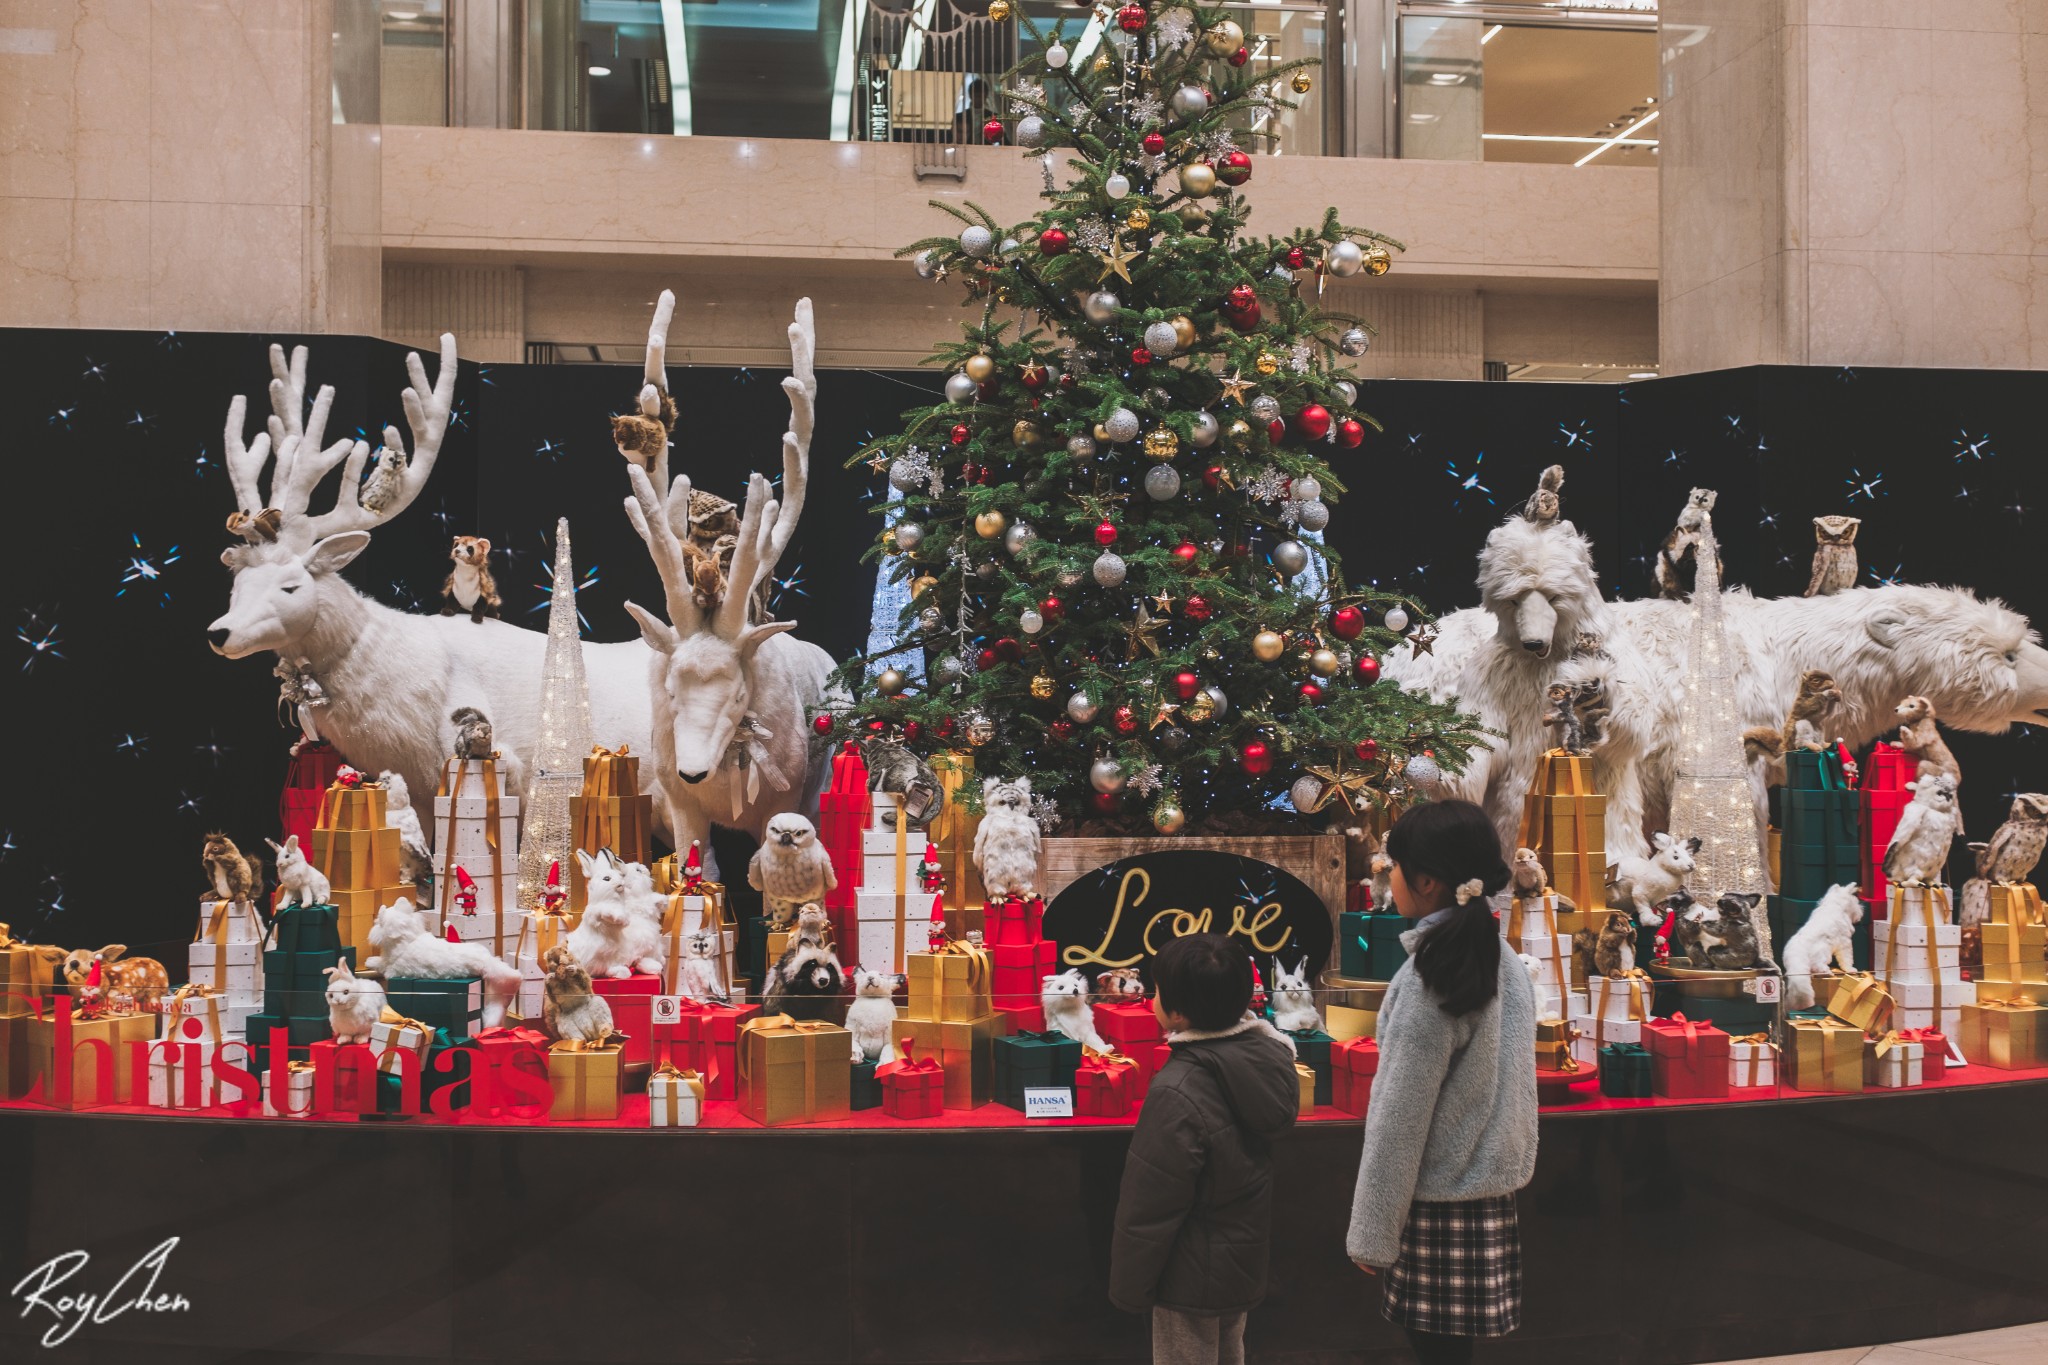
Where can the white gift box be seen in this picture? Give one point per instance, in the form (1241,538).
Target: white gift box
(1542,945)
(881,905)
(1752,1064)
(232,1015)
(672,1103)
(298,1094)
(472,777)
(181,1076)
(879,873)
(1907,905)
(388,1040)
(1904,948)
(1919,995)
(483,925)
(1901,1065)
(1914,934)
(470,838)
(1949,1022)
(877,947)
(472,805)
(1605,1032)
(233,969)
(532,1002)
(244,923)
(1614,1000)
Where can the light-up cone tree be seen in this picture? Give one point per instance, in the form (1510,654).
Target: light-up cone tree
(1100,525)
(545,832)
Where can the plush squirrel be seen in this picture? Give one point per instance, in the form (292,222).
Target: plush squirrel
(1528,880)
(571,1010)
(386,478)
(1818,698)
(1611,952)
(1543,506)
(470,586)
(230,875)
(1576,711)
(1679,543)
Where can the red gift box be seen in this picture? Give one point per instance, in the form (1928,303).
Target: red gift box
(312,770)
(351,1071)
(1017,971)
(1358,897)
(1889,769)
(1014,920)
(912,1087)
(1160,1052)
(504,1048)
(1106,1085)
(1353,1064)
(844,810)
(1688,1060)
(1022,1018)
(1134,1028)
(632,1002)
(1934,1061)
(705,1039)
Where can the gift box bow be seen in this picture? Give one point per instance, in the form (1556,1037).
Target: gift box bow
(1093,1060)
(8,940)
(1893,1037)
(603,1044)
(978,970)
(605,766)
(513,1034)
(1625,1052)
(906,1064)
(691,1081)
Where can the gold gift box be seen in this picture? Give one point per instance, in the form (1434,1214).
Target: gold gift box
(1824,1054)
(1305,1078)
(27,974)
(117,1031)
(1860,999)
(356,914)
(623,824)
(1554,820)
(1345,1022)
(950,987)
(966,1050)
(608,772)
(2007,1034)
(354,808)
(794,1071)
(2015,903)
(953,829)
(586,1080)
(354,858)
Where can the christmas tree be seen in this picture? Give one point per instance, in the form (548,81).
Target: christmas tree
(1102,527)
(557,772)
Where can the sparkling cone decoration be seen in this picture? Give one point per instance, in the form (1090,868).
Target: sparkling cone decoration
(546,837)
(1712,799)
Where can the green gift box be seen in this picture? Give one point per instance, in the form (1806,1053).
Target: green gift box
(460,1057)
(305,1028)
(303,970)
(867,1091)
(1312,1050)
(1736,1014)
(1625,1071)
(1033,1060)
(754,952)
(453,1004)
(307,929)
(1354,945)
(1788,914)
(1370,946)
(1809,770)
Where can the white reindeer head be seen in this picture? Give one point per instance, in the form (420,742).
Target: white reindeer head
(286,568)
(704,656)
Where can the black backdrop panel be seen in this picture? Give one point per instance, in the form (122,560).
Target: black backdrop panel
(131,738)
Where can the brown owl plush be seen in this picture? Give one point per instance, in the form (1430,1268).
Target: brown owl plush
(1834,555)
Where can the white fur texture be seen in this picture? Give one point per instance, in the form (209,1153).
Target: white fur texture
(1067,1010)
(1546,1002)
(620,932)
(415,855)
(1646,882)
(1920,844)
(871,1018)
(791,866)
(1006,843)
(697,979)
(302,883)
(1294,1002)
(407,948)
(353,1003)
(1826,937)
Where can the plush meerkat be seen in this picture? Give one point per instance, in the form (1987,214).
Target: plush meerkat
(470,586)
(1543,506)
(230,874)
(1679,543)
(472,733)
(1834,556)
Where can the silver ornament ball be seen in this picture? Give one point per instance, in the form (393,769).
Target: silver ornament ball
(1030,131)
(1191,100)
(1116,185)
(1305,489)
(1109,569)
(1314,516)
(1344,259)
(1161,339)
(1082,707)
(1056,57)
(1162,481)
(1347,392)
(1397,620)
(1205,430)
(985,569)
(1218,703)
(909,535)
(948,669)
(1355,341)
(977,240)
(1101,306)
(1422,773)
(960,389)
(1018,535)
(1266,408)
(903,476)
(1305,793)
(927,265)
(1030,622)
(1290,557)
(1081,447)
(1106,775)
(1122,425)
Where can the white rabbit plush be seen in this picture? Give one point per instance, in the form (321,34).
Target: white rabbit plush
(353,1003)
(872,1015)
(620,932)
(406,948)
(1645,883)
(1067,1010)
(1294,1003)
(303,883)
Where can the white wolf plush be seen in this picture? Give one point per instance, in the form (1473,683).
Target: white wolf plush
(1920,844)
(697,979)
(1006,844)
(353,1003)
(619,933)
(1294,1003)
(871,1017)
(406,948)
(1067,1010)
(790,868)
(1825,938)
(1646,882)
(302,882)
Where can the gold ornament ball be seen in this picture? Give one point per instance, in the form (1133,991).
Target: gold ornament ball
(1238,430)
(1267,363)
(979,368)
(1378,260)
(1102,435)
(1183,333)
(1138,219)
(1302,82)
(1169,818)
(1041,686)
(1267,646)
(920,586)
(1200,708)
(889,682)
(1224,39)
(990,524)
(1161,443)
(999,10)
(1324,663)
(1025,433)
(1198,179)
(1194,217)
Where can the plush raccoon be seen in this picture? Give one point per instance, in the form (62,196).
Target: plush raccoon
(1117,983)
(1612,952)
(806,978)
(893,768)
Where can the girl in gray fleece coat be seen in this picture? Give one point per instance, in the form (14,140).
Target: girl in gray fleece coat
(1450,1134)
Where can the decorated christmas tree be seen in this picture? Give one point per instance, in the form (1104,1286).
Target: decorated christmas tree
(1103,527)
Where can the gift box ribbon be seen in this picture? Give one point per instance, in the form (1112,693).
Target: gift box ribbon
(1575,772)
(2021,897)
(215,926)
(8,940)
(1830,1030)
(1635,977)
(1891,952)
(1517,906)
(603,780)
(452,791)
(1761,1047)
(195,991)
(781,1024)
(1858,990)
(680,1080)
(906,1064)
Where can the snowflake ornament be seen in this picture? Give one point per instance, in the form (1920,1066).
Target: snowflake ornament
(1147,109)
(1045,812)
(1298,359)
(1173,28)
(1146,780)
(1268,485)
(1093,233)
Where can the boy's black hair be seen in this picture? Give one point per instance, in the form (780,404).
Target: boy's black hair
(1205,977)
(1455,842)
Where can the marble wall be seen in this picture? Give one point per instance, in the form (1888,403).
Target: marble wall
(175,164)
(1854,182)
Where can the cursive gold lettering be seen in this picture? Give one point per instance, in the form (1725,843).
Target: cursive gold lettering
(1078,956)
(1179,923)
(1262,918)
(1184,922)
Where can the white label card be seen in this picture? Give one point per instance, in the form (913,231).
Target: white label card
(1764,988)
(1048,1102)
(666,1009)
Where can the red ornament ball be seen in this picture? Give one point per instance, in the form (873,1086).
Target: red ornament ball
(1243,319)
(944,729)
(986,660)
(1185,552)
(877,726)
(992,131)
(1032,377)
(1366,749)
(1212,477)
(1140,356)
(1368,669)
(1235,170)
(1255,758)
(1296,258)
(1126,721)
(1053,241)
(822,724)
(1060,728)
(1131,18)
(1350,433)
(1186,683)
(913,730)
(1052,609)
(1276,431)
(1311,693)
(1008,650)
(960,434)
(1315,421)
(1240,57)
(1241,297)
(989,390)
(1348,623)
(1105,533)
(1155,143)
(1066,380)
(1105,803)
(1196,608)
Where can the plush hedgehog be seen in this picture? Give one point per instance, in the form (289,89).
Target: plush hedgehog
(1006,844)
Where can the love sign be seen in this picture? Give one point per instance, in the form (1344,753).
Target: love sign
(1122,913)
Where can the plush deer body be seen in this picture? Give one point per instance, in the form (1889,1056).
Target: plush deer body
(391,679)
(730,694)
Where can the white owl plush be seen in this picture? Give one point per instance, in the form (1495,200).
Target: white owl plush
(1006,844)
(790,868)
(1920,844)
(697,980)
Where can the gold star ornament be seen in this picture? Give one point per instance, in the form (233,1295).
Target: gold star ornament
(1422,639)
(1236,387)
(1116,261)
(1140,632)
(1340,784)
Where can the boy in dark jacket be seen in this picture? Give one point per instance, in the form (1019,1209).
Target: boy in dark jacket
(1194,1217)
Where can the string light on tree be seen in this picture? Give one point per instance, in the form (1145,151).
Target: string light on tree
(546,836)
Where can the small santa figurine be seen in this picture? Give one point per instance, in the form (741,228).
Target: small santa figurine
(935,932)
(553,898)
(465,890)
(929,876)
(693,870)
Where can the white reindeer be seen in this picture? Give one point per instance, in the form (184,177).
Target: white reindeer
(391,679)
(732,744)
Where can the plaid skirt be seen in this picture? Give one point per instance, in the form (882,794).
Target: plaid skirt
(1460,1269)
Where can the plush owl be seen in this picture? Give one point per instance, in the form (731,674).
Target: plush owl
(1006,844)
(2016,847)
(1834,555)
(1919,847)
(791,867)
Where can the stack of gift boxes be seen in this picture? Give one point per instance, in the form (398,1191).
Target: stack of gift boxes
(357,851)
(610,812)
(1530,926)
(1818,847)
(227,962)
(951,1019)
(1606,1022)
(2015,944)
(899,877)
(1918,958)
(476,849)
(1565,821)
(696,905)
(303,946)
(1020,957)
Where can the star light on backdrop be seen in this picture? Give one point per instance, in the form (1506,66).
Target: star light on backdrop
(188,804)
(145,573)
(1886,580)
(1868,487)
(1576,435)
(1968,447)
(41,638)
(550,450)
(548,588)
(94,370)
(202,462)
(143,421)
(132,745)
(213,749)
(62,417)
(556,773)
(1469,482)
(171,341)
(1674,457)
(7,845)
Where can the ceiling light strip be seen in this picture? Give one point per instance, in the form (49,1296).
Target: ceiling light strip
(678,44)
(1559,137)
(1640,124)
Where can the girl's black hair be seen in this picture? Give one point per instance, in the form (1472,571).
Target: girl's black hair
(1455,842)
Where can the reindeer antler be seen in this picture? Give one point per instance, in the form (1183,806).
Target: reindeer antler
(767,526)
(664,526)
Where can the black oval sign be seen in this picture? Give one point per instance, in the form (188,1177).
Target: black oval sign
(1122,913)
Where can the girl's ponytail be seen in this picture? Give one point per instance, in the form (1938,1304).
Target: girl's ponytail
(1455,842)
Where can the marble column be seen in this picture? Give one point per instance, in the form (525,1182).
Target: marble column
(1854,182)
